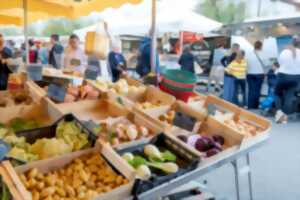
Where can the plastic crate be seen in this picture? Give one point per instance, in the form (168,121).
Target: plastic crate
(186,160)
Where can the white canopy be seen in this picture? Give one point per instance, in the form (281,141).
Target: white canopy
(168,20)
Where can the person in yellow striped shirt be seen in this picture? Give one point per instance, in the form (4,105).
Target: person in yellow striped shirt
(238,69)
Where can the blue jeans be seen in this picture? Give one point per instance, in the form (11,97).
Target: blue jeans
(229,88)
(240,84)
(255,82)
(285,92)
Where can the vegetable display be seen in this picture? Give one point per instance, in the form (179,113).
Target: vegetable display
(122,132)
(168,117)
(68,138)
(148,105)
(84,178)
(121,87)
(19,97)
(152,158)
(239,125)
(78,93)
(210,146)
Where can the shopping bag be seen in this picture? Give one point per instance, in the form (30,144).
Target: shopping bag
(97,42)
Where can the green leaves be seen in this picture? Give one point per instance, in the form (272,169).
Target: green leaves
(137,161)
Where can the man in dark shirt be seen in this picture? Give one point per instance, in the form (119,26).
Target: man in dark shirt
(117,63)
(56,52)
(5,53)
(187,59)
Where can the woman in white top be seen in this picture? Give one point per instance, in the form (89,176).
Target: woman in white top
(288,80)
(74,57)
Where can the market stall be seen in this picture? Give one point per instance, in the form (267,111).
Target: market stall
(150,150)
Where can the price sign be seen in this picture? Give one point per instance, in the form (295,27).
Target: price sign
(75,62)
(34,72)
(56,92)
(4,149)
(184,121)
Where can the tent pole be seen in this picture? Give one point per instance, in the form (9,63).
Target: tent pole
(25,22)
(153,37)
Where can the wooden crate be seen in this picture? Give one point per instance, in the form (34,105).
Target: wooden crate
(221,105)
(19,192)
(96,110)
(178,106)
(210,127)
(139,120)
(152,95)
(41,111)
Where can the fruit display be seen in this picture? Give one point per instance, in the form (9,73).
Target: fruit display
(152,159)
(122,132)
(209,146)
(68,138)
(84,178)
(15,82)
(168,117)
(121,87)
(243,127)
(14,98)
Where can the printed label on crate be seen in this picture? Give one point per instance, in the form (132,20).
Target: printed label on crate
(184,121)
(56,92)
(34,72)
(91,73)
(4,148)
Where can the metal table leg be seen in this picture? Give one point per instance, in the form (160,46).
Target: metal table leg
(250,178)
(237,182)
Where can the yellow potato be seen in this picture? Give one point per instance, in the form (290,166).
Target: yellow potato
(48,192)
(33,173)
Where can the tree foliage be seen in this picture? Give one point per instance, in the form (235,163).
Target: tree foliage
(223,11)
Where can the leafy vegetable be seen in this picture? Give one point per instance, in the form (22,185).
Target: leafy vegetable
(137,161)
(21,155)
(168,156)
(19,124)
(72,135)
(46,148)
(168,168)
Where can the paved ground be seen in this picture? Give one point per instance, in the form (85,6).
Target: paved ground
(276,168)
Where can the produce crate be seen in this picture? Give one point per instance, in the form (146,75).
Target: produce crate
(211,127)
(138,121)
(115,163)
(177,107)
(31,136)
(94,110)
(261,124)
(186,160)
(152,95)
(214,103)
(40,111)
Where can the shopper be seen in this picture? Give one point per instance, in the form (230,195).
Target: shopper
(238,69)
(217,71)
(144,58)
(33,53)
(5,53)
(56,52)
(74,57)
(43,53)
(116,61)
(228,89)
(288,80)
(187,60)
(258,65)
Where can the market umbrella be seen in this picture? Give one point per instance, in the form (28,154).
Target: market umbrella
(18,12)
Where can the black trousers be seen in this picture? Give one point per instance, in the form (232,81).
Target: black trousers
(255,82)
(285,92)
